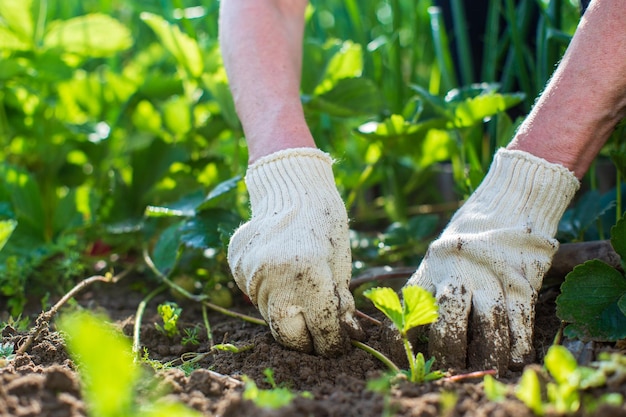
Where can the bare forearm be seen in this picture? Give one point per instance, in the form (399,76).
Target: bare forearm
(586,96)
(261,44)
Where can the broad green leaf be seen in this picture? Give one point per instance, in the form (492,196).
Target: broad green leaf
(93,35)
(9,41)
(6,229)
(618,238)
(619,159)
(167,249)
(589,302)
(25,196)
(528,391)
(18,17)
(106,364)
(349,97)
(474,110)
(562,365)
(346,63)
(205,230)
(420,307)
(219,190)
(184,49)
(386,300)
(177,115)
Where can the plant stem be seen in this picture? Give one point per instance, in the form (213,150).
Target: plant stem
(198,298)
(207,325)
(378,355)
(141,308)
(411,357)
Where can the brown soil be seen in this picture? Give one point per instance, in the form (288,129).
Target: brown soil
(44,382)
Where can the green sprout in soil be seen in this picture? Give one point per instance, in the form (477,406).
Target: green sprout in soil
(111,377)
(190,337)
(418,308)
(6,353)
(169,312)
(560,387)
(274,398)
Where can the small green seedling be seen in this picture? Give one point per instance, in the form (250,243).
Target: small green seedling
(418,308)
(6,353)
(169,312)
(274,398)
(560,394)
(190,337)
(111,378)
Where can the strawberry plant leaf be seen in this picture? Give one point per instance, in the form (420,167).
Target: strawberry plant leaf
(386,300)
(419,307)
(590,301)
(618,238)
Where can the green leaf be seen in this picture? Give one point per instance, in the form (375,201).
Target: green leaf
(106,363)
(219,190)
(589,302)
(562,365)
(6,230)
(474,110)
(22,189)
(420,307)
(17,16)
(205,230)
(346,63)
(528,391)
(618,238)
(93,35)
(348,98)
(166,250)
(184,49)
(495,390)
(386,300)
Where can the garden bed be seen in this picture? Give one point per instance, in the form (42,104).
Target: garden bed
(44,381)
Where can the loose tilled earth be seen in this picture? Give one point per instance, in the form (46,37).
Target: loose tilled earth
(43,382)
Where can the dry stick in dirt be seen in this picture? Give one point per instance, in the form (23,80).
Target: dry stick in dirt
(43,321)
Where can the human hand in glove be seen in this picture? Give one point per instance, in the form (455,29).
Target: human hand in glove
(293,257)
(487,266)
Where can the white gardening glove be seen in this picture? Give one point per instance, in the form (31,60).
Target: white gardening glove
(293,257)
(487,266)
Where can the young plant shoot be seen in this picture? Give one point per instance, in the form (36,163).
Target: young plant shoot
(417,309)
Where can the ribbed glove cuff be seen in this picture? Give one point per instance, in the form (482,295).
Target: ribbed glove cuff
(529,191)
(286,178)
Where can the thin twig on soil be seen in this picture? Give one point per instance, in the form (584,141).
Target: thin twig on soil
(198,298)
(43,321)
(470,375)
(361,314)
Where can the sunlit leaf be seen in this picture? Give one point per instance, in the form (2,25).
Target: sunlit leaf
(349,97)
(420,307)
(386,300)
(106,363)
(184,49)
(17,16)
(93,35)
(9,41)
(177,115)
(346,63)
(562,365)
(529,391)
(474,110)
(6,229)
